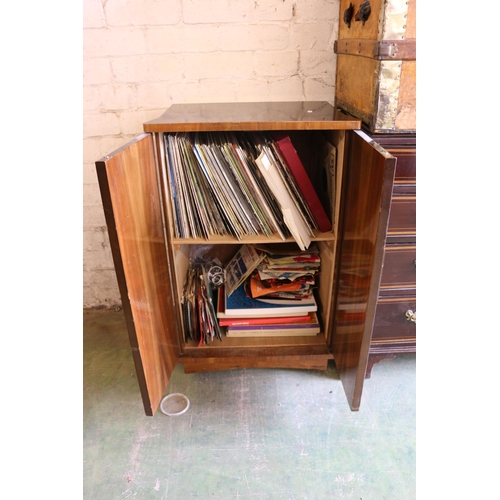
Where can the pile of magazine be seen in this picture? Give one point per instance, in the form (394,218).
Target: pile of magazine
(290,276)
(241,183)
(264,292)
(270,293)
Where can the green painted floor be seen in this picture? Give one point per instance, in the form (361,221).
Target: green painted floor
(248,434)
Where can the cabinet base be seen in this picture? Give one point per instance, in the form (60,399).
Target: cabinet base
(315,362)
(378,354)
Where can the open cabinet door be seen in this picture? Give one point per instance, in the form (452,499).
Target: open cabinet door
(131,199)
(365,200)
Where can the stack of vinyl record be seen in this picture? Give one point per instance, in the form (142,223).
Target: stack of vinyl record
(199,316)
(239,184)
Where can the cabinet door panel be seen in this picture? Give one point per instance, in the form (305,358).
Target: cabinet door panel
(366,197)
(131,201)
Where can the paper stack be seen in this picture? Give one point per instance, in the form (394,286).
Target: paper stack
(275,298)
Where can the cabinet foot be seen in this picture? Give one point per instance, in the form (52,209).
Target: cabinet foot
(376,358)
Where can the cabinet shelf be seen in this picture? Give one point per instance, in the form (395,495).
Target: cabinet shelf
(257,342)
(250,239)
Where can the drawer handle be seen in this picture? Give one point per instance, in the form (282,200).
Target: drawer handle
(411,316)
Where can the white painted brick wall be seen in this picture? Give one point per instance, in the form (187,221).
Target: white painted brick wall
(140,56)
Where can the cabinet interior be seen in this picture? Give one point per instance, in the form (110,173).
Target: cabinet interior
(181,250)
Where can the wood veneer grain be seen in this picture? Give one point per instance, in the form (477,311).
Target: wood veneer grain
(129,188)
(313,115)
(306,362)
(366,196)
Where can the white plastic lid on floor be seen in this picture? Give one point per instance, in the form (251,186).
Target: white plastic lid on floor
(174,404)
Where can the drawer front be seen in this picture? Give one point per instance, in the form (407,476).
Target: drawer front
(405,178)
(403,216)
(391,321)
(406,166)
(399,269)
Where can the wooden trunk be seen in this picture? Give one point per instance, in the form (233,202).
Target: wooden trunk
(376,64)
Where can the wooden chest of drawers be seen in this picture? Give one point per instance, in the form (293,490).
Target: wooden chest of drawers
(394,328)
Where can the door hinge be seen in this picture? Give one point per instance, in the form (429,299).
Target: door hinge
(385,50)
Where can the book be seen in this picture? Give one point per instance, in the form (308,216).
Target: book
(239,268)
(310,327)
(299,173)
(264,321)
(221,310)
(260,288)
(239,304)
(274,333)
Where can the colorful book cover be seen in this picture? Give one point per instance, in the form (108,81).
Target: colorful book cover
(221,310)
(240,267)
(282,320)
(310,322)
(261,288)
(239,304)
(311,327)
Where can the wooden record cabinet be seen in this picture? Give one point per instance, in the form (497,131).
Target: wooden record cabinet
(151,263)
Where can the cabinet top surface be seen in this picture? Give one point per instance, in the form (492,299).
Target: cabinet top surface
(296,115)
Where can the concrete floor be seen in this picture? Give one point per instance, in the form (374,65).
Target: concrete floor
(248,434)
